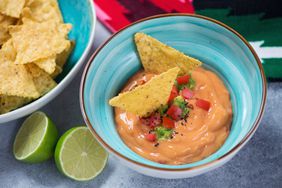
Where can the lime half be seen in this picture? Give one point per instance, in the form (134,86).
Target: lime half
(36,139)
(79,156)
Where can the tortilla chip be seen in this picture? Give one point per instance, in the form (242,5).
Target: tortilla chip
(48,64)
(9,103)
(34,41)
(4,35)
(54,65)
(5,22)
(42,10)
(8,51)
(28,2)
(12,8)
(157,57)
(151,95)
(57,71)
(42,81)
(63,57)
(14,79)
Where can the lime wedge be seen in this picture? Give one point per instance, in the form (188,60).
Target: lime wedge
(36,139)
(79,156)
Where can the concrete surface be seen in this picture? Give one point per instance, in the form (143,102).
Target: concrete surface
(258,164)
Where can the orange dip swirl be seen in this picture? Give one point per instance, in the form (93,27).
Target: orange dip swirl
(199,136)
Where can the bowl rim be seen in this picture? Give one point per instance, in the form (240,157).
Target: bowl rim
(232,151)
(42,101)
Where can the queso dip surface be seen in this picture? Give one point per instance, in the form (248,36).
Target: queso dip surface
(197,136)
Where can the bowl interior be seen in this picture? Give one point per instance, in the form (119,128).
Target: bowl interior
(220,50)
(79,14)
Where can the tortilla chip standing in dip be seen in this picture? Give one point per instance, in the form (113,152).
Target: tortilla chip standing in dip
(183,125)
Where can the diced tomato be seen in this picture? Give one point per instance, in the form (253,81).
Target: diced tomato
(187,93)
(168,123)
(155,120)
(173,93)
(152,121)
(151,137)
(183,79)
(174,112)
(205,105)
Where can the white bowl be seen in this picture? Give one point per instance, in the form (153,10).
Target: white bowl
(72,14)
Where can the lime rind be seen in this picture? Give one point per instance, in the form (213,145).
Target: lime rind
(41,145)
(17,139)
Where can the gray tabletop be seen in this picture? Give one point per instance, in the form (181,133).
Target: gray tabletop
(258,164)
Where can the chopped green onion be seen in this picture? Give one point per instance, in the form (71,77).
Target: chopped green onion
(191,83)
(185,111)
(180,102)
(162,110)
(163,133)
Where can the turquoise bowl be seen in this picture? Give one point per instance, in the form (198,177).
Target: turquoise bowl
(221,49)
(81,14)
